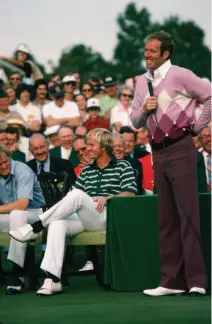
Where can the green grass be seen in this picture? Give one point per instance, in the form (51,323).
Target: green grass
(84,302)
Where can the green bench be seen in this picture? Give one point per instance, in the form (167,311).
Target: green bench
(94,241)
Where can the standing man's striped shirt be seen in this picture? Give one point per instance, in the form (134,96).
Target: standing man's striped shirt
(118,176)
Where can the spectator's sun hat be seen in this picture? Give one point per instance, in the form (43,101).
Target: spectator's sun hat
(51,130)
(69,78)
(15,121)
(23,48)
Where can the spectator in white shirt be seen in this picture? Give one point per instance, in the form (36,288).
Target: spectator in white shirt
(60,111)
(29,112)
(120,114)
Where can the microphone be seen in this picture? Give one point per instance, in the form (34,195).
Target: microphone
(149,83)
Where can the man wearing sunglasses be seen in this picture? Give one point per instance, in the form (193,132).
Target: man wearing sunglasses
(69,83)
(120,114)
(15,79)
(60,111)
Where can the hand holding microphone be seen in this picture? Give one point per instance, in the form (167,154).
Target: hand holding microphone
(151,102)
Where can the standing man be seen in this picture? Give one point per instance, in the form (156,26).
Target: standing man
(176,91)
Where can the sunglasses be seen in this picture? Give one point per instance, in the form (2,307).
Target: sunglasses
(89,90)
(93,109)
(109,85)
(127,96)
(83,148)
(71,83)
(17,79)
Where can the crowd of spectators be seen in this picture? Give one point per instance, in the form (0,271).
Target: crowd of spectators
(42,118)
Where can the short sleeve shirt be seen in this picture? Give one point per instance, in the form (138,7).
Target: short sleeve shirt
(118,176)
(68,110)
(28,113)
(21,183)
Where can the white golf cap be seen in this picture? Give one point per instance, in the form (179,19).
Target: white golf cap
(51,130)
(23,48)
(69,78)
(93,102)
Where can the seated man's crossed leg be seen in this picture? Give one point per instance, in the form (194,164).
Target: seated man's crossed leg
(61,221)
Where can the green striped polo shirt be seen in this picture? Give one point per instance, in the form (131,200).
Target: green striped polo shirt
(118,176)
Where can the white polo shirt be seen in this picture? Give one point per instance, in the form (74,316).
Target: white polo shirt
(68,110)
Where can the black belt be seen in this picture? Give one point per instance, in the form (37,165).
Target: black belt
(168,141)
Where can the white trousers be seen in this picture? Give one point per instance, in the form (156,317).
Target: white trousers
(63,220)
(14,220)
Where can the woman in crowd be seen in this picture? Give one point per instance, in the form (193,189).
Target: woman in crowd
(81,103)
(29,112)
(120,114)
(88,90)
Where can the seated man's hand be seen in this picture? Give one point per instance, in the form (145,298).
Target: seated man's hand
(100,203)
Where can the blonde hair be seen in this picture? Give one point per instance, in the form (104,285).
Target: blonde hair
(104,138)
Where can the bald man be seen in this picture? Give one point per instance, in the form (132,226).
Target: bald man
(43,162)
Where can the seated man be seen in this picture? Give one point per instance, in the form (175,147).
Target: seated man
(65,150)
(21,200)
(43,162)
(135,151)
(119,153)
(12,144)
(205,139)
(99,181)
(80,148)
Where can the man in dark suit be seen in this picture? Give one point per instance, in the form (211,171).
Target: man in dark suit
(65,150)
(131,149)
(43,162)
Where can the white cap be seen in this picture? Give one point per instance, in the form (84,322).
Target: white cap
(23,48)
(93,102)
(69,78)
(51,130)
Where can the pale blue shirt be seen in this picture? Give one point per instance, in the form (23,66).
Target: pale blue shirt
(21,183)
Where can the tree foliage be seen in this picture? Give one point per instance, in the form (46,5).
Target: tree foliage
(134,25)
(84,60)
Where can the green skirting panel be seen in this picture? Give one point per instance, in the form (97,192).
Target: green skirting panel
(132,255)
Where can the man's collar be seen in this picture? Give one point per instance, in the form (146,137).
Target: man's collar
(162,70)
(113,161)
(12,168)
